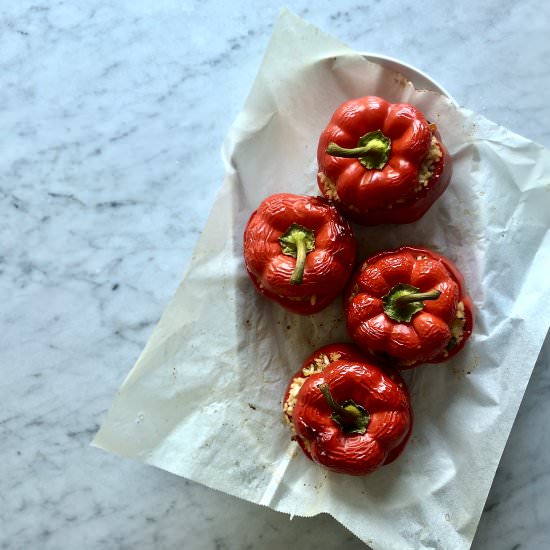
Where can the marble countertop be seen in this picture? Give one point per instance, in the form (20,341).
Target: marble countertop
(113,115)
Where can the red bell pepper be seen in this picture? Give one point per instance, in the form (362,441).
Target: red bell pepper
(381,162)
(298,251)
(347,413)
(409,306)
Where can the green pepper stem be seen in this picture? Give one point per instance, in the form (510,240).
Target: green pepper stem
(298,273)
(297,242)
(348,414)
(351,417)
(418,297)
(403,301)
(372,151)
(376,146)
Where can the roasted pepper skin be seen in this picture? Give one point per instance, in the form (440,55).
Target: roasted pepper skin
(378,389)
(390,194)
(327,266)
(427,337)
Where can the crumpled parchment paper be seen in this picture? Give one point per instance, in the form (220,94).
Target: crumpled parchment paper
(204,398)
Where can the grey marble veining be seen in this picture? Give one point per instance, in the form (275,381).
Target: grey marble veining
(112,116)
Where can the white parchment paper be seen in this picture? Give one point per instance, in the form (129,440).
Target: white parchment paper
(204,399)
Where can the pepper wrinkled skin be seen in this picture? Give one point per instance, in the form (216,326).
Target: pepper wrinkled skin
(350,377)
(439,324)
(328,261)
(391,193)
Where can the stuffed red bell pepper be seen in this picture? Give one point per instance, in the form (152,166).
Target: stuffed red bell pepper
(347,413)
(298,251)
(409,306)
(381,162)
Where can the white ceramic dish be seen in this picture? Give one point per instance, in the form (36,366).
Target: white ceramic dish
(420,79)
